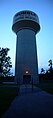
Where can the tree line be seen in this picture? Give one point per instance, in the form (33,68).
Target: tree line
(50,70)
(48,74)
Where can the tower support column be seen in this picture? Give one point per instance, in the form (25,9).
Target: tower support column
(26,55)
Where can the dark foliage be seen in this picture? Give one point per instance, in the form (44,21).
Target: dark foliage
(42,71)
(7,79)
(5,62)
(48,75)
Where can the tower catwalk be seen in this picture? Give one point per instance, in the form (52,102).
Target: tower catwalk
(26,25)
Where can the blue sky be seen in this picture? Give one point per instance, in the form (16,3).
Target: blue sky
(44,9)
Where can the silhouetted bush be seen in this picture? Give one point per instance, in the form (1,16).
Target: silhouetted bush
(7,79)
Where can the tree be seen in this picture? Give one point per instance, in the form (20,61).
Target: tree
(42,71)
(5,62)
(50,66)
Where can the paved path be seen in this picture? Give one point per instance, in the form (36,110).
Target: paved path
(28,104)
(28,89)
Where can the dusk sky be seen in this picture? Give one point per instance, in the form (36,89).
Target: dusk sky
(44,39)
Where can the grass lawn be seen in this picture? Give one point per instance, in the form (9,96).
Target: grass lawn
(7,94)
(48,87)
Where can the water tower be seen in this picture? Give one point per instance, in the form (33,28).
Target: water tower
(26,26)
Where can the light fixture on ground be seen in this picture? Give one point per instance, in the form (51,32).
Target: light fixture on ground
(26,25)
